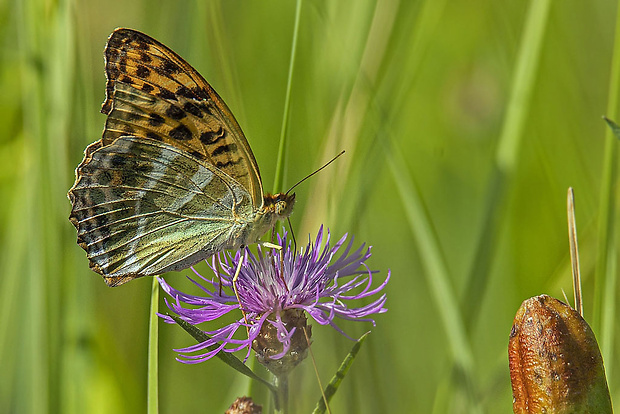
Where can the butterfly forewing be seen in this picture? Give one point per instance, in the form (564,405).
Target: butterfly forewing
(138,201)
(183,109)
(140,114)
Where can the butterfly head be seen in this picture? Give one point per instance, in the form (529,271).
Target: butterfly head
(281,204)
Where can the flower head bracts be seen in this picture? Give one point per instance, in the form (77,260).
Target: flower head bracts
(274,288)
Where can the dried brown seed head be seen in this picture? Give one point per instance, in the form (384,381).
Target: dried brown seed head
(555,363)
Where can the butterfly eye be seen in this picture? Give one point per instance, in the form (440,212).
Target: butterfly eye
(280,207)
(283,205)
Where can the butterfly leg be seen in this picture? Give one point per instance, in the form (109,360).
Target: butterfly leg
(279,248)
(270,245)
(245,257)
(219,277)
(234,282)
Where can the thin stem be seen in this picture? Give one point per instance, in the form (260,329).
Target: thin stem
(316,372)
(281,383)
(279,178)
(153,384)
(604,306)
(574,251)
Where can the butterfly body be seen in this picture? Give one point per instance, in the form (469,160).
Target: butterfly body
(173,179)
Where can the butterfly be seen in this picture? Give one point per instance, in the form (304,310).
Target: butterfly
(173,179)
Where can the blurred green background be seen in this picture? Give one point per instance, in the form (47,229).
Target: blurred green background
(464,124)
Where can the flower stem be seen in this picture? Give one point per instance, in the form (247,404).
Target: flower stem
(152,372)
(281,404)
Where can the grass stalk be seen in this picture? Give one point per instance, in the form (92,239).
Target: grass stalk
(436,273)
(153,373)
(507,154)
(605,275)
(278,181)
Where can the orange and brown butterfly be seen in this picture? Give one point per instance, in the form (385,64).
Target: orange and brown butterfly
(173,179)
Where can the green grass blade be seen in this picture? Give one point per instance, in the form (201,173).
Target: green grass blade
(278,181)
(436,271)
(605,279)
(607,255)
(349,125)
(336,380)
(228,358)
(508,150)
(615,129)
(34,366)
(153,374)
(528,61)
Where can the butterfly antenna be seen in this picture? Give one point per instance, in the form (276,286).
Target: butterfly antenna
(290,226)
(311,174)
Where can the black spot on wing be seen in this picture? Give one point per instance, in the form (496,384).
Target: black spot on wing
(153,135)
(126,79)
(228,163)
(166,94)
(194,92)
(167,68)
(141,44)
(202,92)
(189,107)
(117,161)
(144,57)
(197,154)
(181,133)
(148,88)
(185,92)
(156,119)
(142,71)
(175,112)
(211,137)
(223,149)
(170,67)
(122,64)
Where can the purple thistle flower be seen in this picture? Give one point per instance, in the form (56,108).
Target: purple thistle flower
(276,288)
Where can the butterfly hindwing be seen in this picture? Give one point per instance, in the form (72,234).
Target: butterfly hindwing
(138,200)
